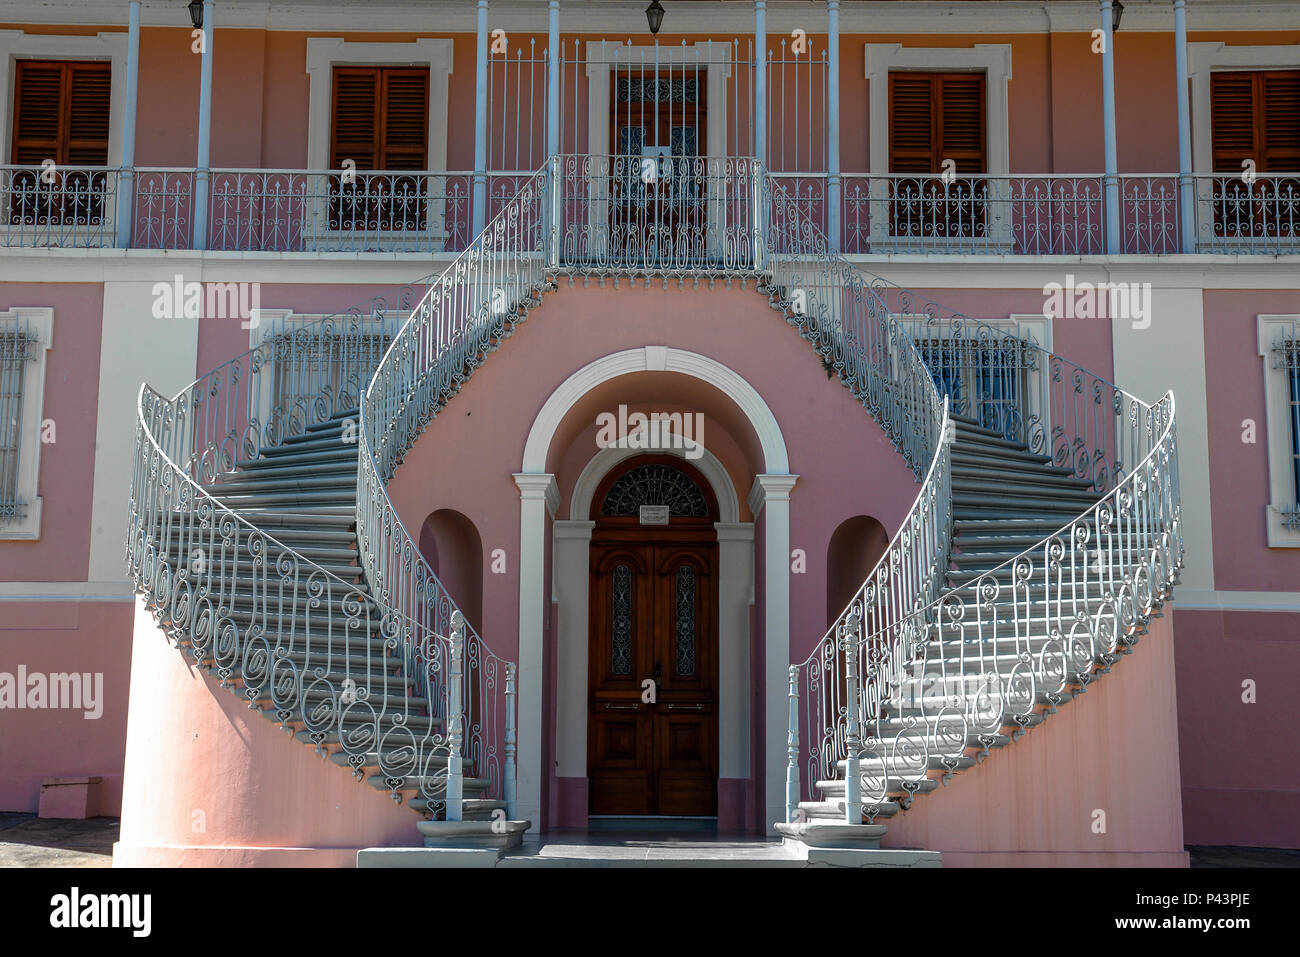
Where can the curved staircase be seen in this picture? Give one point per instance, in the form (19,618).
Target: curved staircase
(266,546)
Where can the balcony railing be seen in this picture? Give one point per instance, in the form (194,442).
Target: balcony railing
(432,211)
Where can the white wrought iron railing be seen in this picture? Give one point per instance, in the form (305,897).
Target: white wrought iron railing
(885,705)
(462,318)
(53,206)
(277,625)
(671,215)
(878,707)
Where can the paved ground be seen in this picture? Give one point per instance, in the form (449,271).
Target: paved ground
(1212,856)
(29,841)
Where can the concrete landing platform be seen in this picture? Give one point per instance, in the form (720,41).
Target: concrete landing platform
(604,850)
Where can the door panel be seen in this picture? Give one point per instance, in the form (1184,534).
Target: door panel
(653,616)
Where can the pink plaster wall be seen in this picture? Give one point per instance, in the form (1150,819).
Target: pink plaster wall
(1032,803)
(488,422)
(264,799)
(60,638)
(1239,785)
(67,467)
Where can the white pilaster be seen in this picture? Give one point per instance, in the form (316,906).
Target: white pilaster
(770,499)
(539,497)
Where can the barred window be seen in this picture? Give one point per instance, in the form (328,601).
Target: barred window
(19,348)
(1287,357)
(1279,347)
(987,382)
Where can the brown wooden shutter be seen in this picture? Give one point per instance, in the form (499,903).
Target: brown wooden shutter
(1255,115)
(61,112)
(1281,127)
(381,118)
(933,117)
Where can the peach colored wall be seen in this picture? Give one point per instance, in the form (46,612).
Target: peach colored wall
(67,465)
(1239,486)
(1239,784)
(60,638)
(1032,803)
(265,799)
(1054,97)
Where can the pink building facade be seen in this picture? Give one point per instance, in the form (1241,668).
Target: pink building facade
(791,259)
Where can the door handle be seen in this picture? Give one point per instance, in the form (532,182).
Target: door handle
(611,706)
(686,707)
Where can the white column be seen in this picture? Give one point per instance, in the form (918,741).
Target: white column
(538,498)
(760,80)
(1185,200)
(770,498)
(553,81)
(205,131)
(1113,245)
(735,596)
(126,185)
(481,120)
(833,122)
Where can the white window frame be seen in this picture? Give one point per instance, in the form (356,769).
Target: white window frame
(1204,59)
(16,45)
(263,321)
(39,320)
(991,59)
(1277,411)
(605,56)
(1028,326)
(325,53)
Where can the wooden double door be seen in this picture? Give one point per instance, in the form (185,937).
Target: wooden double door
(652,738)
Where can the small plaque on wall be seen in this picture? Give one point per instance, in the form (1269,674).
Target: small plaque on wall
(654,514)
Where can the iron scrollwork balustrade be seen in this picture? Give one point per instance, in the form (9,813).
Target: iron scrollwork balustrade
(59,206)
(1248,213)
(339,668)
(463,317)
(1078,596)
(673,216)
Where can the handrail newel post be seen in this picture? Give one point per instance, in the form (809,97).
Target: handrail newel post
(509,786)
(852,728)
(792,750)
(455,719)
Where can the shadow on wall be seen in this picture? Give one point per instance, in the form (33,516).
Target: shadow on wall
(451,545)
(855,547)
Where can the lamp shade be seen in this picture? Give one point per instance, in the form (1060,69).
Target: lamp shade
(654,16)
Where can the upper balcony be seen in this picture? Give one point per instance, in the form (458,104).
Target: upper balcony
(926,147)
(295,211)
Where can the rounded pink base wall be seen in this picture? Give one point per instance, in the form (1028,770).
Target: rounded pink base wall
(210,783)
(1036,803)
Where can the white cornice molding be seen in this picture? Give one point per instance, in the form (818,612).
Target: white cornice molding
(719,16)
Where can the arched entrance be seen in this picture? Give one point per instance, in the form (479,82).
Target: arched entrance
(652,728)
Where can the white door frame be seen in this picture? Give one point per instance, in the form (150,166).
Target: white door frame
(539,495)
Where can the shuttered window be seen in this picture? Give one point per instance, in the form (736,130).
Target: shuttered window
(935,117)
(380,122)
(61,112)
(381,118)
(1255,116)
